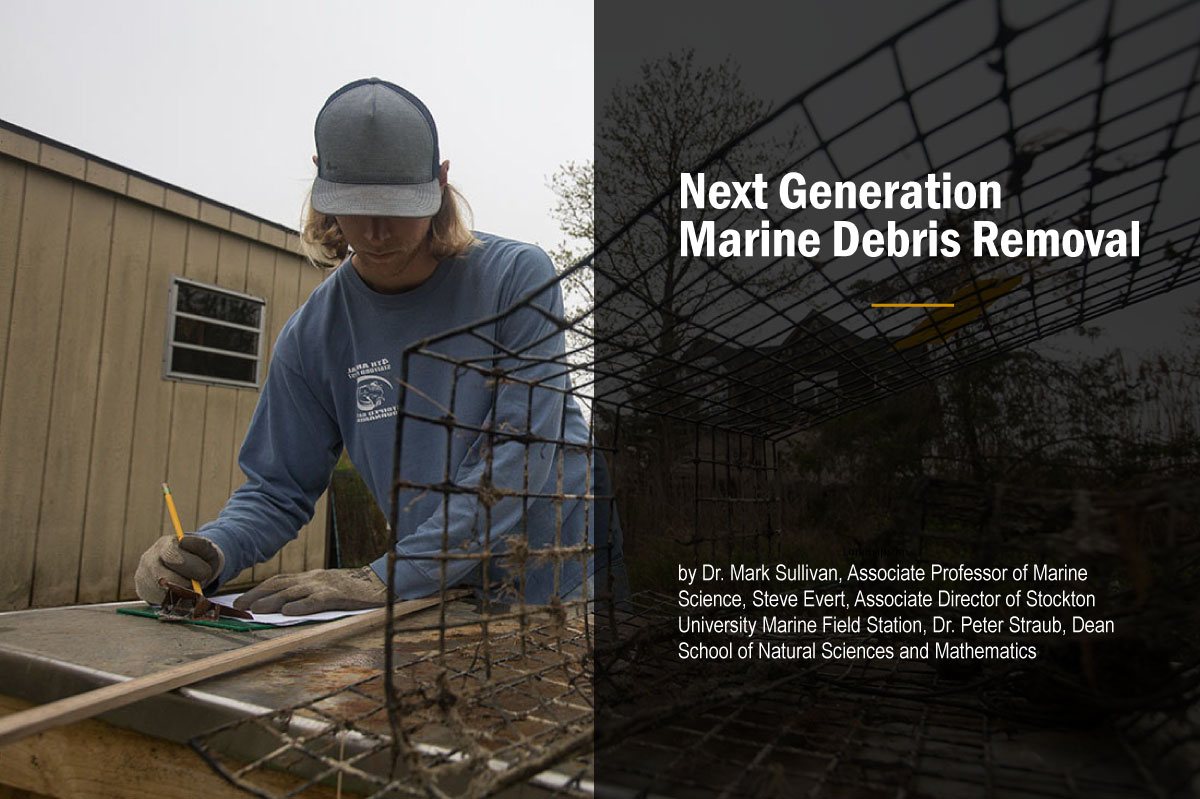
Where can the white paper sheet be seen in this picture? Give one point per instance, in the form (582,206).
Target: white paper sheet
(280,620)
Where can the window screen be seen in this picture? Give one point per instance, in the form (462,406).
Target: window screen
(213,335)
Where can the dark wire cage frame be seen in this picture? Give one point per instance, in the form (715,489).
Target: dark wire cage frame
(691,389)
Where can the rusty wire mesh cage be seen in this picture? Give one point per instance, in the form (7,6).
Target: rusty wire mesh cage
(686,378)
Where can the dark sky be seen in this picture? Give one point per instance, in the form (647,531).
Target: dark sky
(784,48)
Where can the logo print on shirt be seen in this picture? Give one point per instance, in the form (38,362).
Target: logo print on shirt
(372,391)
(375,396)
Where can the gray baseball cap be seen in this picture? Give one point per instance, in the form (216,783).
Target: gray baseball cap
(377,153)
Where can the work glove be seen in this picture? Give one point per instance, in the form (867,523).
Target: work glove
(192,557)
(314,591)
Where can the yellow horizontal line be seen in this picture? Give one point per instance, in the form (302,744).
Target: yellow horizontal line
(912,305)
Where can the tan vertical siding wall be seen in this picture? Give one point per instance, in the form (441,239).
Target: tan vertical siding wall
(89,429)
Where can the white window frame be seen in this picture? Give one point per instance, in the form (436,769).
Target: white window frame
(173,312)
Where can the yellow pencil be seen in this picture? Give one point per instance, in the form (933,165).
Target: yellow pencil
(178,529)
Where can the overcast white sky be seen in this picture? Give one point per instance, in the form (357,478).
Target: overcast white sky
(219,97)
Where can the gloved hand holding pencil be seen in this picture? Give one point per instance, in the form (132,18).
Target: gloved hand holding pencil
(191,557)
(179,558)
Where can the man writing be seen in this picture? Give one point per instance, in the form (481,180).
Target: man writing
(413,271)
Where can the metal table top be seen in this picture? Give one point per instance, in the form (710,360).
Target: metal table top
(47,654)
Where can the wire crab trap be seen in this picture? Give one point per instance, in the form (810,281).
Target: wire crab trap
(690,371)
(1140,547)
(1085,113)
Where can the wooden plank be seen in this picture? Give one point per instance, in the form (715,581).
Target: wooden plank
(285,294)
(182,204)
(7,792)
(73,404)
(215,448)
(146,191)
(260,282)
(244,226)
(270,234)
(12,198)
(183,456)
(145,512)
(213,215)
(310,277)
(63,162)
(216,461)
(232,254)
(188,408)
(200,262)
(106,177)
(112,441)
(284,301)
(18,146)
(312,556)
(110,697)
(189,413)
(25,392)
(94,760)
(318,535)
(220,426)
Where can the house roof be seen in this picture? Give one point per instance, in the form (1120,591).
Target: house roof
(34,148)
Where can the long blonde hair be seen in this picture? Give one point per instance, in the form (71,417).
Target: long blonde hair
(449,232)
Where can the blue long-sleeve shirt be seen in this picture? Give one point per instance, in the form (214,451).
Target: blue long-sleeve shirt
(334,381)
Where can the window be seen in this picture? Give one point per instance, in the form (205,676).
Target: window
(213,335)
